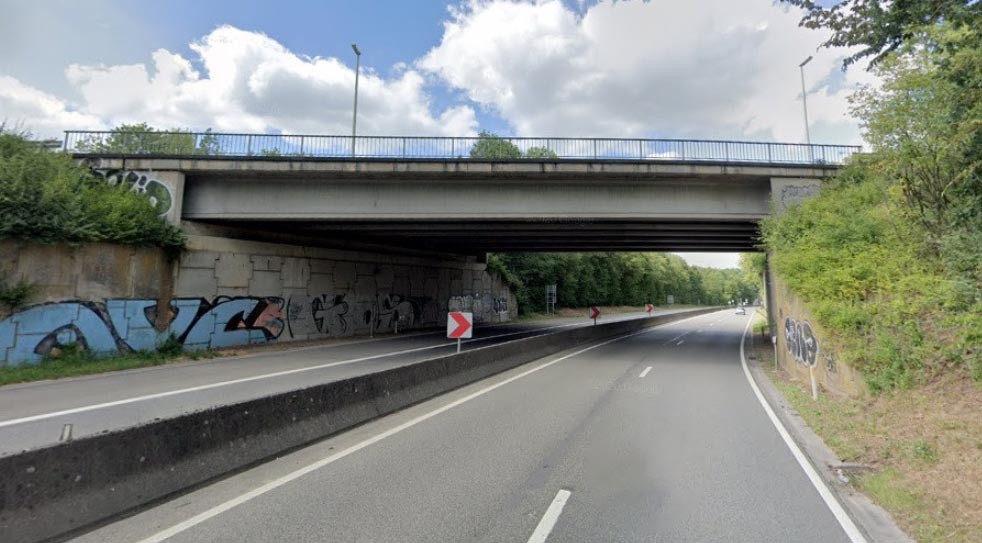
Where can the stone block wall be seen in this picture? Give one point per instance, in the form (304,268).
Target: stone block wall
(224,292)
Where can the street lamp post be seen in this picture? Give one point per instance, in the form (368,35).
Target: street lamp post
(804,98)
(354,118)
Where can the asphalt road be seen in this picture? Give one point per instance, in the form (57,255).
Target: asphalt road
(36,414)
(652,437)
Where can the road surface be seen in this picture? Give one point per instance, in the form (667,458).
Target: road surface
(36,414)
(656,436)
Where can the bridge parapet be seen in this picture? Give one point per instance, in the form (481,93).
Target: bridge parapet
(213,144)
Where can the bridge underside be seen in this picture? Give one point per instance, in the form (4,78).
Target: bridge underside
(470,237)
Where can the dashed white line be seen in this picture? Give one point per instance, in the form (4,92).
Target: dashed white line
(645,372)
(292,476)
(549,519)
(681,341)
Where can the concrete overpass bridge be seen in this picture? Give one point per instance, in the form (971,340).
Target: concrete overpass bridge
(429,194)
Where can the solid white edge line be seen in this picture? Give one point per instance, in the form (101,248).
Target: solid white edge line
(550,517)
(276,483)
(852,531)
(164,394)
(645,372)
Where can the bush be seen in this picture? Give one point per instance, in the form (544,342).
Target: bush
(895,310)
(46,197)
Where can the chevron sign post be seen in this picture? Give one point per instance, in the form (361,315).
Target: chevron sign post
(460,325)
(594,314)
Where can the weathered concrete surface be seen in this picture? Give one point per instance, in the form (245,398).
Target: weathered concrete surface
(224,292)
(468,206)
(801,342)
(51,491)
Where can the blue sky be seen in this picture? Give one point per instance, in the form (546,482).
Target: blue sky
(704,69)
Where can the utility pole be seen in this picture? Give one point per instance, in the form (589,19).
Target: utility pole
(804,98)
(354,118)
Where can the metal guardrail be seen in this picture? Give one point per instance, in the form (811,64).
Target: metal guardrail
(449,148)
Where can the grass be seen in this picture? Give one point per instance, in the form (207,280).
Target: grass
(924,445)
(75,362)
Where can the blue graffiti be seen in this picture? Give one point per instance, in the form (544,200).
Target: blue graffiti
(121,325)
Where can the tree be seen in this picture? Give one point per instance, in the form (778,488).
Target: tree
(924,126)
(540,152)
(880,27)
(142,139)
(491,146)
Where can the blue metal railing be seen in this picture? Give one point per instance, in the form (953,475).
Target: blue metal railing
(450,148)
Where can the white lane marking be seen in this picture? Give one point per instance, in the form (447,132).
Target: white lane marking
(549,519)
(292,476)
(645,372)
(852,531)
(681,341)
(157,395)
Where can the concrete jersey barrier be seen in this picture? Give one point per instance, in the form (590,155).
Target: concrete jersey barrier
(57,490)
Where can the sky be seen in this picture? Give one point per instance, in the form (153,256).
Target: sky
(706,69)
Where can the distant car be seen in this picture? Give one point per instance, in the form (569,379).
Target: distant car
(741,311)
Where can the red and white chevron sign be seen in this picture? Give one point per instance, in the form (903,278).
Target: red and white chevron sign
(460,325)
(594,312)
(649,308)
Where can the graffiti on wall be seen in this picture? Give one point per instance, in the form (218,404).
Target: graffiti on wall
(124,325)
(142,183)
(801,341)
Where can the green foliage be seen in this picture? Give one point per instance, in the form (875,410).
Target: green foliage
(878,28)
(540,152)
(170,346)
(584,279)
(137,139)
(46,197)
(869,282)
(889,256)
(15,296)
(490,146)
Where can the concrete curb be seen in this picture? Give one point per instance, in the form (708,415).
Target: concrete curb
(875,522)
(53,491)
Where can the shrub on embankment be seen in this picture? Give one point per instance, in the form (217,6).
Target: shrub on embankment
(46,197)
(889,256)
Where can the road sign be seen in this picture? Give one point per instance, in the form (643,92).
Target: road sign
(550,298)
(460,325)
(649,308)
(594,312)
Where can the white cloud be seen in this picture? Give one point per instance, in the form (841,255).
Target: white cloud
(251,83)
(704,69)
(24,107)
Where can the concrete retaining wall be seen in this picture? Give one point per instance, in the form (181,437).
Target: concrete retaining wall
(800,343)
(225,292)
(54,490)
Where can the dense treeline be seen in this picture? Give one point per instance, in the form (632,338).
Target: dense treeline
(889,255)
(584,279)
